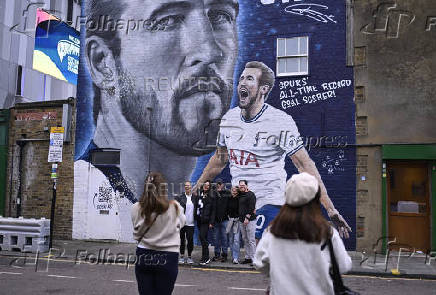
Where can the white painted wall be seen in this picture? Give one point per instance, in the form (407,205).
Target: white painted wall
(93,198)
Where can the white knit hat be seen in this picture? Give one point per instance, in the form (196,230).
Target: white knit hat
(301,189)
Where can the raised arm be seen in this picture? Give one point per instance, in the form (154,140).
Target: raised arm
(304,163)
(216,164)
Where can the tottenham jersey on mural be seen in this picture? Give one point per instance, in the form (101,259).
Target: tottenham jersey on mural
(257,149)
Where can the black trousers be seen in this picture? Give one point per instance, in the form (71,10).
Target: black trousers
(187,233)
(156,271)
(204,229)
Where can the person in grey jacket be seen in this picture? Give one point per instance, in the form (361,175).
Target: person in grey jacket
(247,219)
(292,250)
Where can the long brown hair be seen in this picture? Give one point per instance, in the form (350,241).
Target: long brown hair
(303,223)
(155,196)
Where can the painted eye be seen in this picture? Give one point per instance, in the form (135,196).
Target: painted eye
(220,17)
(166,23)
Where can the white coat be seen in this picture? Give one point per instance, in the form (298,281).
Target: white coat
(297,267)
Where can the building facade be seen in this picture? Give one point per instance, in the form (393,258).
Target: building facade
(32,102)
(394,70)
(19,81)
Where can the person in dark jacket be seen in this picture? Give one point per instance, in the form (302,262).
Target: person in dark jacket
(233,228)
(187,200)
(247,219)
(221,220)
(205,217)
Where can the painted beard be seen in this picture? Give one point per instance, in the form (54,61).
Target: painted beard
(187,123)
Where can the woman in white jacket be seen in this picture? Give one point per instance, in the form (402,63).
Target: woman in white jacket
(293,250)
(156,226)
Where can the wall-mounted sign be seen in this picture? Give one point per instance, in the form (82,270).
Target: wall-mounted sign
(35,116)
(56,144)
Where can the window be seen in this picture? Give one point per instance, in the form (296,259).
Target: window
(292,56)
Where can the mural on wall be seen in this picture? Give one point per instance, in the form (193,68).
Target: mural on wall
(161,82)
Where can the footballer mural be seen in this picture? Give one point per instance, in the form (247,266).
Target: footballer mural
(162,86)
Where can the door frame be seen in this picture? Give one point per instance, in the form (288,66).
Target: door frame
(425,152)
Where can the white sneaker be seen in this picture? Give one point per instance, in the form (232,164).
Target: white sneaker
(189,260)
(235,261)
(181,260)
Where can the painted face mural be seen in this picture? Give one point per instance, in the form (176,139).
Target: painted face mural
(157,77)
(248,87)
(192,46)
(173,72)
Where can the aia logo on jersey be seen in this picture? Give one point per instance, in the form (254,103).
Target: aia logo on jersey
(243,158)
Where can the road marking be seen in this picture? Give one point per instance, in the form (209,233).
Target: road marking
(387,278)
(10,273)
(42,258)
(123,281)
(226,270)
(64,277)
(182,285)
(246,289)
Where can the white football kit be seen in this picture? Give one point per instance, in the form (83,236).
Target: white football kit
(257,149)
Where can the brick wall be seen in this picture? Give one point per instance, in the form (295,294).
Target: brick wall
(31,123)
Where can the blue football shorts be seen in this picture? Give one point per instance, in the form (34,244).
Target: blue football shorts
(265,215)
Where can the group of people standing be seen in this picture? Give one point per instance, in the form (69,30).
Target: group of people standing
(296,249)
(223,213)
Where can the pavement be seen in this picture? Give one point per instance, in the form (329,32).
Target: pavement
(403,265)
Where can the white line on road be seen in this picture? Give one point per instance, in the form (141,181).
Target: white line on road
(226,270)
(10,273)
(386,278)
(182,285)
(58,276)
(247,289)
(123,281)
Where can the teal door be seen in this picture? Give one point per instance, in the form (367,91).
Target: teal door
(4,124)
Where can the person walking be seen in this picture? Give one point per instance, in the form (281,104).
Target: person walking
(204,208)
(247,219)
(233,227)
(156,226)
(221,220)
(294,247)
(187,232)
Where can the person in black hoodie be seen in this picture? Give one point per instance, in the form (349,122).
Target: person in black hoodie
(247,219)
(187,201)
(205,216)
(221,220)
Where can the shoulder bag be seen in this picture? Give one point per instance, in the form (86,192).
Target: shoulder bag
(338,284)
(148,228)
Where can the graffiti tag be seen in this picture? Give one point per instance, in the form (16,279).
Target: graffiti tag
(310,10)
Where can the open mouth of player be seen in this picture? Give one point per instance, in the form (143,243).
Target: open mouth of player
(243,93)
